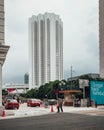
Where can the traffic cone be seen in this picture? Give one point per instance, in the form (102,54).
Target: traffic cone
(52,110)
(3,113)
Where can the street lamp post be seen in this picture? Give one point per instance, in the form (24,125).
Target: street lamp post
(83,92)
(71,75)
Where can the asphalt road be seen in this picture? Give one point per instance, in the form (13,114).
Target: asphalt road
(57,121)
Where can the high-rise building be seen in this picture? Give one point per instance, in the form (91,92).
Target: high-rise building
(101,36)
(26,78)
(45,49)
(3,47)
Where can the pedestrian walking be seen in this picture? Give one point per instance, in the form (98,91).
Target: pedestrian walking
(59,105)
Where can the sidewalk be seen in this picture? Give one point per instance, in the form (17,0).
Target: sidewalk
(25,111)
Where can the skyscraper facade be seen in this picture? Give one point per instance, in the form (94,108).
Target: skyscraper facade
(101,36)
(3,47)
(45,49)
(1,21)
(26,78)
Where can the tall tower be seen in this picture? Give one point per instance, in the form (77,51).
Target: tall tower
(101,36)
(45,49)
(3,47)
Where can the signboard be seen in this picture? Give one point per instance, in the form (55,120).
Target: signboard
(83,83)
(56,91)
(97,91)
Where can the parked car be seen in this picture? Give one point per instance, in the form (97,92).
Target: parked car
(11,104)
(52,101)
(6,99)
(34,102)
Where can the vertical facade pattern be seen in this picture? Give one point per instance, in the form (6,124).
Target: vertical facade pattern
(57,50)
(48,50)
(35,54)
(101,36)
(42,50)
(45,49)
(1,22)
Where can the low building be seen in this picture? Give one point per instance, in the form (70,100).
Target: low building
(69,97)
(16,88)
(85,76)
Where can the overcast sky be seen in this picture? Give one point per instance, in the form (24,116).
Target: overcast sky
(80,35)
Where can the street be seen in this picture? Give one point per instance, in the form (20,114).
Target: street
(56,121)
(25,111)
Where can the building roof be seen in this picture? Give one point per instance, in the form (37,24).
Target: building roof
(70,91)
(90,75)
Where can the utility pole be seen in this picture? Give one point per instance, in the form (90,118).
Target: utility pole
(71,75)
(71,72)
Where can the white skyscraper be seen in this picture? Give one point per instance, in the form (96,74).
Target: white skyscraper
(45,49)
(3,48)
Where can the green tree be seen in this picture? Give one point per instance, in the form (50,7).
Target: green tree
(4,92)
(31,93)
